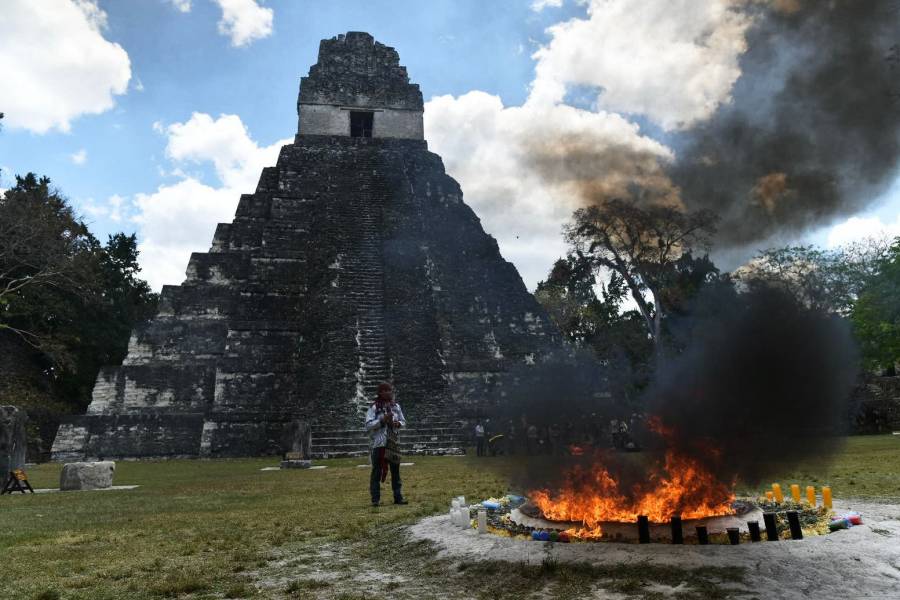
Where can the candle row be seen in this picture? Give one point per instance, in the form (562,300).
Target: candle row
(734,533)
(777,495)
(460,516)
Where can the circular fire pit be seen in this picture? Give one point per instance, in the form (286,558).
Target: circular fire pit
(517,517)
(528,515)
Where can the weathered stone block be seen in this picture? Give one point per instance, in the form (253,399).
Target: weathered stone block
(296,464)
(87,476)
(13,439)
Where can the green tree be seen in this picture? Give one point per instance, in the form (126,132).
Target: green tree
(66,300)
(821,280)
(597,322)
(640,244)
(44,249)
(876,314)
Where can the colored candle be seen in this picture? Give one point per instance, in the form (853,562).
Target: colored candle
(811,495)
(776,490)
(826,497)
(795,493)
(770,496)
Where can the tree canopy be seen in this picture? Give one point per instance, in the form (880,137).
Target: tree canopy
(825,280)
(876,313)
(641,243)
(67,302)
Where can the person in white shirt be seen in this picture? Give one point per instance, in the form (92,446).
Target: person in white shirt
(479,439)
(383,422)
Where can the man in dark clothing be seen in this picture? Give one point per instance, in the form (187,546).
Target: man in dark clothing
(383,422)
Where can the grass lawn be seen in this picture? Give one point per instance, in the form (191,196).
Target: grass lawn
(225,529)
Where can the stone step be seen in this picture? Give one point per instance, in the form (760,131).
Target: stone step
(407,435)
(335,451)
(362,434)
(404,441)
(449,451)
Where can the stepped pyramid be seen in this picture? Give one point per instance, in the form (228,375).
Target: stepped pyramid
(355,261)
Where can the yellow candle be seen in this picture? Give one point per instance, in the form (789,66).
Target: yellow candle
(826,497)
(811,495)
(776,490)
(770,496)
(795,493)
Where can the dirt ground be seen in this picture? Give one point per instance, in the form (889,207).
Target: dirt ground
(862,562)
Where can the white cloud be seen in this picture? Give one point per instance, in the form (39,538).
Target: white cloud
(92,208)
(115,208)
(539,5)
(856,229)
(524,168)
(56,64)
(491,150)
(111,210)
(79,158)
(225,143)
(181,5)
(244,21)
(674,61)
(180,218)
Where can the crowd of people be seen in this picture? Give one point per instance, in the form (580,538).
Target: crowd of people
(520,436)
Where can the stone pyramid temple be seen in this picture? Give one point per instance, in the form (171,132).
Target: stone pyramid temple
(355,261)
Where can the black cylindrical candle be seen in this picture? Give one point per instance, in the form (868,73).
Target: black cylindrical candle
(677,535)
(734,535)
(753,526)
(643,524)
(702,535)
(794,522)
(771,530)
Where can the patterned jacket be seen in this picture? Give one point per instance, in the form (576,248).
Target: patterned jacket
(377,429)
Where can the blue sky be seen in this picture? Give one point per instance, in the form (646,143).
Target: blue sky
(184,65)
(152,116)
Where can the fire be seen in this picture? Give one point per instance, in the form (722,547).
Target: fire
(677,485)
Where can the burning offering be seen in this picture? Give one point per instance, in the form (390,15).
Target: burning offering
(677,488)
(598,491)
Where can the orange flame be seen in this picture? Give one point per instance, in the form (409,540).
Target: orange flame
(677,486)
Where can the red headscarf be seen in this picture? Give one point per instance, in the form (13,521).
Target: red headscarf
(385,395)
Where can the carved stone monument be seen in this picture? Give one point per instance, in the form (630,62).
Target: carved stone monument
(355,261)
(13,440)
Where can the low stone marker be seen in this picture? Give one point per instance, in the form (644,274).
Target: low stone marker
(87,475)
(12,440)
(295,460)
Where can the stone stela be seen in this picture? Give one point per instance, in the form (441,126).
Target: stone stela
(355,261)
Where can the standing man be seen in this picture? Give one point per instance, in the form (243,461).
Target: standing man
(531,440)
(383,422)
(479,439)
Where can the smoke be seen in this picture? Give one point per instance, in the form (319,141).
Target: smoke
(813,132)
(761,388)
(809,133)
(764,383)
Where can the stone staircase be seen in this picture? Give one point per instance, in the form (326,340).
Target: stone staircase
(435,439)
(363,273)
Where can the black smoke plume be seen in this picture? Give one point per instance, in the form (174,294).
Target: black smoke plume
(762,387)
(764,383)
(813,132)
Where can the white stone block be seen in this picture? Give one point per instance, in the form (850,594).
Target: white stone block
(87,475)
